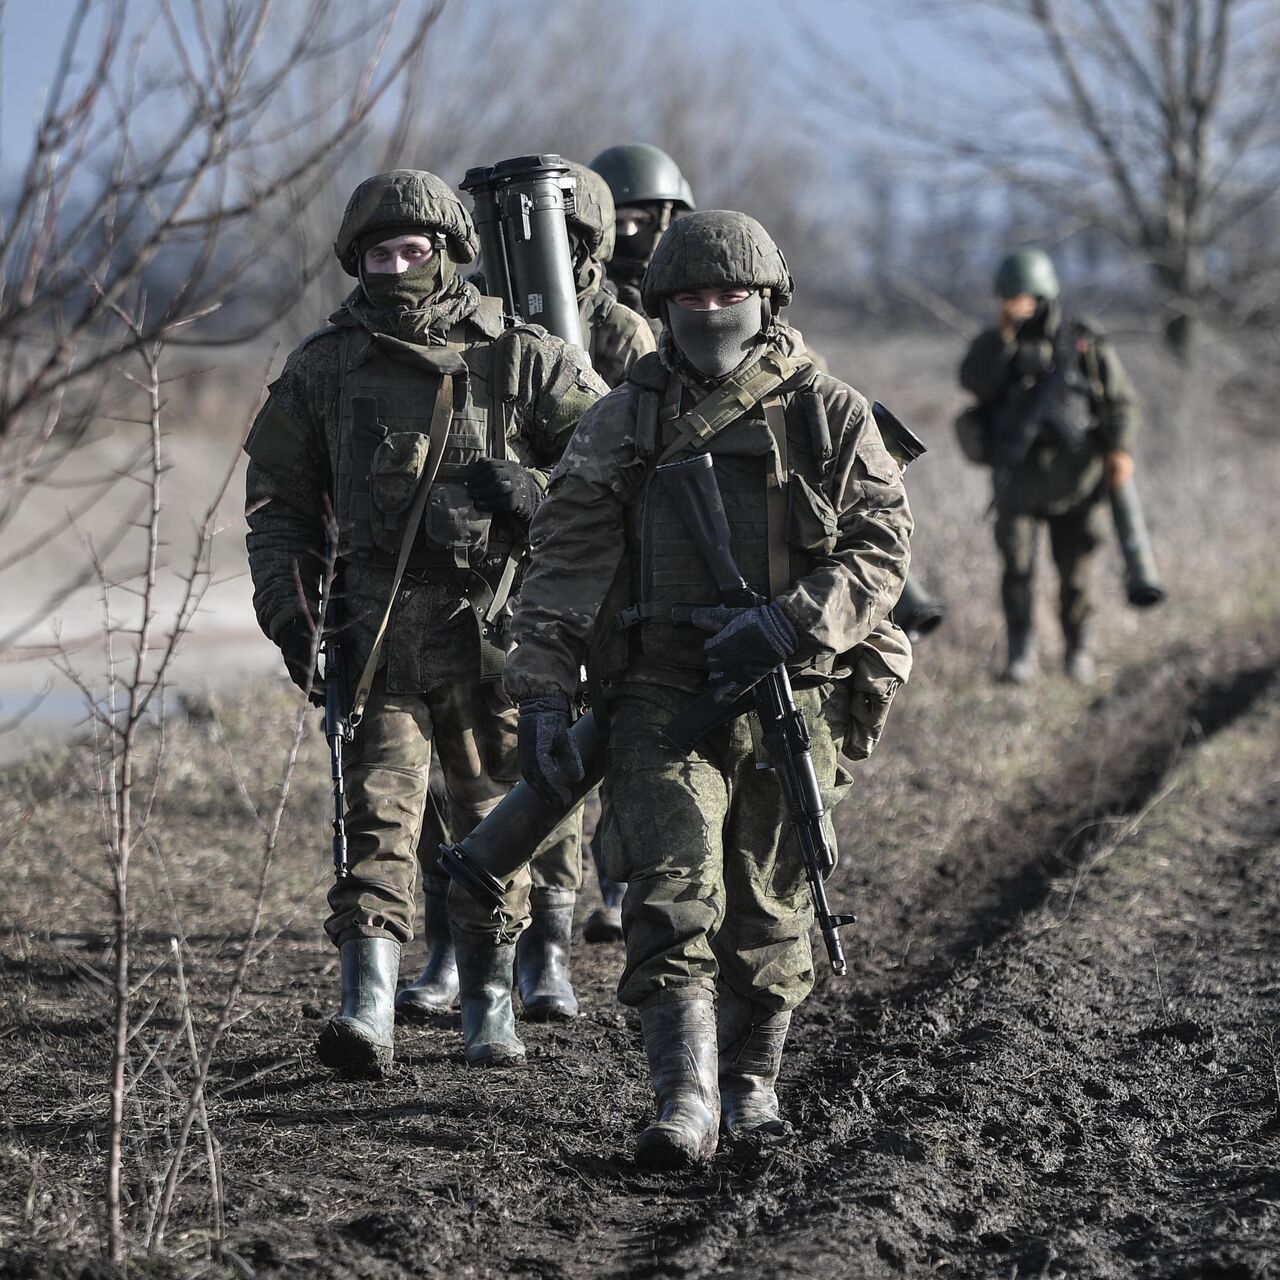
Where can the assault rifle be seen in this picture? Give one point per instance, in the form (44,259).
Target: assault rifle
(1058,406)
(337,729)
(691,484)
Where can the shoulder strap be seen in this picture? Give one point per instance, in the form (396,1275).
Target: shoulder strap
(441,416)
(731,399)
(776,500)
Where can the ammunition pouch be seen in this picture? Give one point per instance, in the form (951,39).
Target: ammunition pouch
(454,525)
(858,708)
(971,433)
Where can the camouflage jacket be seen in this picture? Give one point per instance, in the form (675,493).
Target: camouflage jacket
(615,335)
(1051,479)
(586,543)
(297,443)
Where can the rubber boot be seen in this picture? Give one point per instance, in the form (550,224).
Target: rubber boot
(358,1041)
(604,924)
(1022,667)
(1078,662)
(542,957)
(484,993)
(435,990)
(680,1040)
(750,1049)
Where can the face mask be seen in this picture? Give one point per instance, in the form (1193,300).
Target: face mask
(717,342)
(406,290)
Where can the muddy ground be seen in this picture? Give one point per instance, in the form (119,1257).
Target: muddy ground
(1056,1053)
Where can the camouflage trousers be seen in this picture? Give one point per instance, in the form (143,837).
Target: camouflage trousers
(1074,536)
(716,890)
(472,728)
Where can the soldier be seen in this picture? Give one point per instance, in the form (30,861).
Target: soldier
(414,378)
(1056,469)
(648,191)
(616,336)
(716,914)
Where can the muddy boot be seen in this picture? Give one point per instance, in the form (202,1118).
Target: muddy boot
(484,993)
(1078,662)
(604,924)
(680,1040)
(542,957)
(750,1050)
(358,1041)
(435,990)
(1022,667)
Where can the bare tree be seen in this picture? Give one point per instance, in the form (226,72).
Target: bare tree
(1155,121)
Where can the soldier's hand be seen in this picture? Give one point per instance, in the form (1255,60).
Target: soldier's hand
(1014,312)
(548,755)
(297,647)
(1118,467)
(499,486)
(747,644)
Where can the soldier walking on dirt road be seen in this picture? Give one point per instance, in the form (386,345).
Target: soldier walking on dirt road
(426,428)
(1055,420)
(716,914)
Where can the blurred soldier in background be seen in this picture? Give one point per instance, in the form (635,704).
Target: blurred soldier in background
(649,191)
(616,336)
(1055,420)
(413,379)
(717,911)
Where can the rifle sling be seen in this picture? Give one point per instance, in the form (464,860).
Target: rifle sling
(441,416)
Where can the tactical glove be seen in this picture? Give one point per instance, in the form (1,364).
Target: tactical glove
(747,644)
(296,643)
(499,486)
(548,755)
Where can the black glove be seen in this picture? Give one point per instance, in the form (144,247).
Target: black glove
(501,487)
(548,755)
(747,644)
(296,641)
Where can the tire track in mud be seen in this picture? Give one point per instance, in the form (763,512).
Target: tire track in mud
(1118,759)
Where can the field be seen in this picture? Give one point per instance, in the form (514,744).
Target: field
(1056,1053)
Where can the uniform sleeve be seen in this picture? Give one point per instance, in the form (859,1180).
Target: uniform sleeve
(985,369)
(286,500)
(559,386)
(578,537)
(1123,417)
(852,589)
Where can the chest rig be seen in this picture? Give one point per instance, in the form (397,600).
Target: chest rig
(752,458)
(386,401)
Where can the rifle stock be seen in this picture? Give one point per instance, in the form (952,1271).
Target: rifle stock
(337,731)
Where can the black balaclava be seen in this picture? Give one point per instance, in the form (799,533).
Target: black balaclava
(716,342)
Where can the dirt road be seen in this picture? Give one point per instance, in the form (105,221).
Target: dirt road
(1056,1054)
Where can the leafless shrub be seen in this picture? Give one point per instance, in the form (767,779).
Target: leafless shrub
(1152,123)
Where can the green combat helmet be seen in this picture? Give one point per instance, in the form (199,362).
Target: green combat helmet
(715,247)
(1027,271)
(402,199)
(592,213)
(638,173)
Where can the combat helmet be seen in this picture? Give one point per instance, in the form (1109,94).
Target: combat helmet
(637,172)
(1027,271)
(591,214)
(715,247)
(399,199)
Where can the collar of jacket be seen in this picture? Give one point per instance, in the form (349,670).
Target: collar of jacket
(429,326)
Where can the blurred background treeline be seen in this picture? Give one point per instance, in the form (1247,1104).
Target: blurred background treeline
(174,171)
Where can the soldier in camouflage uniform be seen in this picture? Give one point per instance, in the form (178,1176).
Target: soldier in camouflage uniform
(1053,484)
(413,373)
(615,334)
(649,191)
(716,914)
